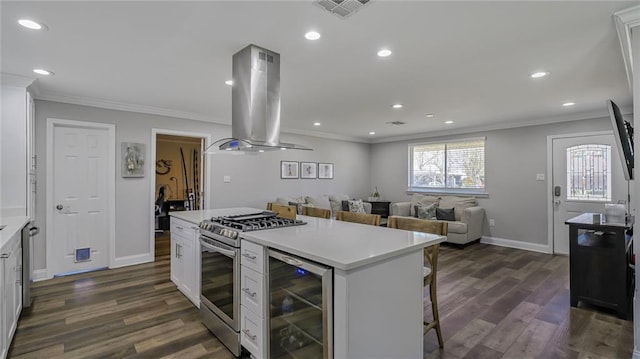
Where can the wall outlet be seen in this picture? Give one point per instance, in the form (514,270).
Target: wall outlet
(539,176)
(492,222)
(226,179)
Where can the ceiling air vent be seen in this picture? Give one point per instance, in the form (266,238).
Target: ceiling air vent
(341,8)
(396,123)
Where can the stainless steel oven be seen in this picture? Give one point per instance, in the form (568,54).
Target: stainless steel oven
(220,270)
(220,289)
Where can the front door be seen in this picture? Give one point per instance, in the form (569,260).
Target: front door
(587,174)
(79,207)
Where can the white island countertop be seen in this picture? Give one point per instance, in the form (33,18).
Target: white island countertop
(342,245)
(13,225)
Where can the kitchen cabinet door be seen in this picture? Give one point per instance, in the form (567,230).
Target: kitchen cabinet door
(176,263)
(3,318)
(189,270)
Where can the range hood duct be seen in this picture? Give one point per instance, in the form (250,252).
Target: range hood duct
(255,102)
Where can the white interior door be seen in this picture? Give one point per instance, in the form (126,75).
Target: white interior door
(80,226)
(587,173)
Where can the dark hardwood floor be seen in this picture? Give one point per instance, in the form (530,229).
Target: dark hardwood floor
(494,303)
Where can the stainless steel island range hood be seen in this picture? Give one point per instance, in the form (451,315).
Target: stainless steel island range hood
(255,101)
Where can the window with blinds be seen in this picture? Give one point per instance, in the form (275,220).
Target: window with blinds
(456,166)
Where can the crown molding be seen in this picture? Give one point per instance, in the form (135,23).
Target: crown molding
(16,80)
(625,21)
(502,126)
(122,106)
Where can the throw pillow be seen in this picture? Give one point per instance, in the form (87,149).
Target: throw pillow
(445,214)
(298,206)
(319,201)
(459,203)
(422,199)
(345,205)
(335,201)
(356,206)
(426,212)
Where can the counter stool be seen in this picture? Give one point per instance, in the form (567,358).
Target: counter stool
(316,212)
(363,218)
(430,260)
(282,210)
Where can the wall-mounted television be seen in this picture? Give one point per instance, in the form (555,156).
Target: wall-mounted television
(623,133)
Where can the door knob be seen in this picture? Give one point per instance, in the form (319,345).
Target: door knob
(59,207)
(557,201)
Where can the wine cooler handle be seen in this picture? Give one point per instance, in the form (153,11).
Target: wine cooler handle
(291,261)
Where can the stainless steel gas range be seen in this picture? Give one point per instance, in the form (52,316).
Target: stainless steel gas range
(220,271)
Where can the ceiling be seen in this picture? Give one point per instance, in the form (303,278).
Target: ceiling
(467,62)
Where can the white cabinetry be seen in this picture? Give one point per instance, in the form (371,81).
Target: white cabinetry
(253,309)
(185,259)
(15,145)
(11,296)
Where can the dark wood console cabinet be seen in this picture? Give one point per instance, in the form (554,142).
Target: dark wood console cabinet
(599,264)
(380,207)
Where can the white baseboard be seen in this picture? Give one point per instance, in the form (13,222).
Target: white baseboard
(534,247)
(39,274)
(133,260)
(636,354)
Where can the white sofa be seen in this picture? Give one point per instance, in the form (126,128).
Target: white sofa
(330,202)
(469,216)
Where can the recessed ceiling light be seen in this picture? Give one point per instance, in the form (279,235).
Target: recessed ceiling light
(448,122)
(30,24)
(229,82)
(429,115)
(539,74)
(568,104)
(261,151)
(312,35)
(282,148)
(384,53)
(372,133)
(42,72)
(316,123)
(397,105)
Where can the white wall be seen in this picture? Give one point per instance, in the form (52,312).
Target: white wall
(255,180)
(513,157)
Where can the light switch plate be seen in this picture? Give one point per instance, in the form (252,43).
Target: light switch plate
(539,176)
(226,179)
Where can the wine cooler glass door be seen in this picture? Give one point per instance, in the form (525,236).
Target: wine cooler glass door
(301,313)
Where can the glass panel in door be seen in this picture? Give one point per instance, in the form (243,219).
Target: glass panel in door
(296,312)
(217,281)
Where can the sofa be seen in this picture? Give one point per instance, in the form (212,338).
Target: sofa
(469,217)
(334,203)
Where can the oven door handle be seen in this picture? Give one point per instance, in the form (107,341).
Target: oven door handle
(210,247)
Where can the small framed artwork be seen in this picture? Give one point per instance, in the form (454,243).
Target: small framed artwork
(325,170)
(132,159)
(308,170)
(288,169)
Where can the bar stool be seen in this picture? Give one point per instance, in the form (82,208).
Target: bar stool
(430,260)
(316,212)
(363,218)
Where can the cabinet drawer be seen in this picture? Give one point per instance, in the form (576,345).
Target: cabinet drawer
(252,256)
(184,228)
(252,335)
(252,291)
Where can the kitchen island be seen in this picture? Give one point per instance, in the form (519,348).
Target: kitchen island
(376,296)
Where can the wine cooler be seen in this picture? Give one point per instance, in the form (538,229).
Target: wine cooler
(300,308)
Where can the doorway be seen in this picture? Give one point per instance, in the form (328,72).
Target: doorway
(179,181)
(80,196)
(586,174)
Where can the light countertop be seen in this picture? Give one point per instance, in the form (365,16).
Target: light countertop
(342,245)
(13,225)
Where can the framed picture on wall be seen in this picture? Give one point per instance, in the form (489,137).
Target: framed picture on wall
(132,159)
(288,169)
(325,170)
(308,170)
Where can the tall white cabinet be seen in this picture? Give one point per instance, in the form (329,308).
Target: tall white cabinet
(17,164)
(10,280)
